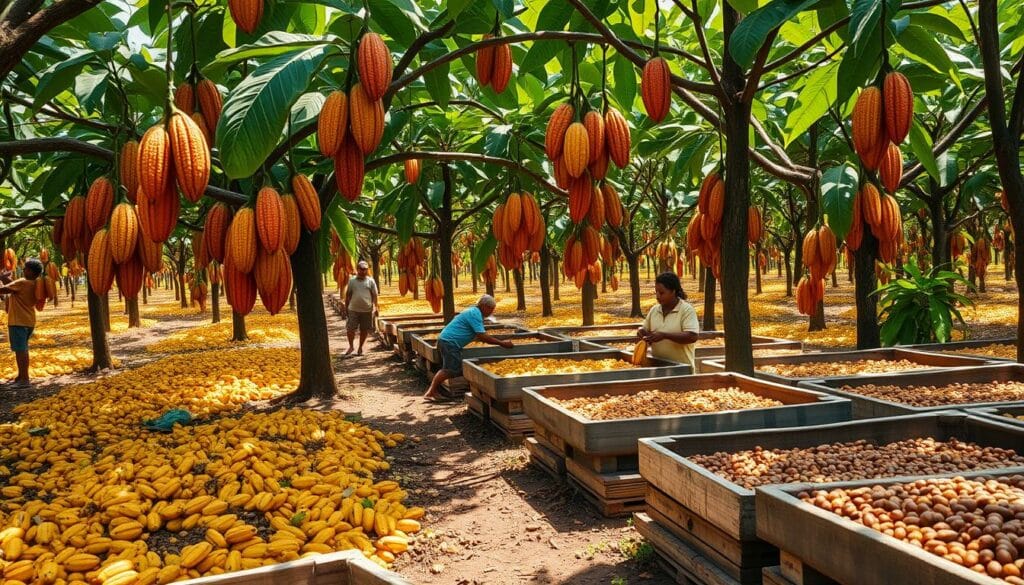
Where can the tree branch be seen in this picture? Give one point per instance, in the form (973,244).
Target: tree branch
(757,70)
(476,208)
(18,39)
(54,113)
(803,70)
(698,25)
(799,51)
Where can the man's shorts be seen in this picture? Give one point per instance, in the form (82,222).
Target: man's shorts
(451,356)
(19,337)
(360,321)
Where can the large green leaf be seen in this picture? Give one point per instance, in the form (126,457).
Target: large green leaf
(921,45)
(625,82)
(484,251)
(89,88)
(439,86)
(838,187)
(921,144)
(271,44)
(255,112)
(937,23)
(865,17)
(856,71)
(752,31)
(58,78)
(405,218)
(393,20)
(342,225)
(816,97)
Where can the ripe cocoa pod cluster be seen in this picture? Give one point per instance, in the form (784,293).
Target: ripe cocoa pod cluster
(433,289)
(201,101)
(519,228)
(246,14)
(351,124)
(119,252)
(981,255)
(882,116)
(704,232)
(344,265)
(494,65)
(881,213)
(412,260)
(582,260)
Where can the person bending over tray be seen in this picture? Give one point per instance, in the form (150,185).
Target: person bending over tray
(466,327)
(671,326)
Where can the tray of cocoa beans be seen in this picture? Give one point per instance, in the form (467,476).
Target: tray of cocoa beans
(792,369)
(1004,349)
(924,391)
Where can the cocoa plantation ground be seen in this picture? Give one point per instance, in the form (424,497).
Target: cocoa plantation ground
(490,517)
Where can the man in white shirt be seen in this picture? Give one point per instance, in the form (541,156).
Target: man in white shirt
(360,305)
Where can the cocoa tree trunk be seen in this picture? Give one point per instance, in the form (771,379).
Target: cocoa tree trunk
(545,281)
(238,332)
(789,271)
(757,268)
(709,300)
(517,275)
(316,378)
(556,277)
(633,262)
(868,333)
(105,301)
(133,313)
(101,359)
(588,296)
(445,229)
(215,302)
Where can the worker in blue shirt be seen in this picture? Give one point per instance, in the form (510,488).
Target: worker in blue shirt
(466,327)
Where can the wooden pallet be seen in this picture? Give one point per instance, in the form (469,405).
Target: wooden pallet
(614,485)
(684,564)
(506,416)
(728,553)
(546,459)
(553,441)
(607,463)
(608,508)
(773,576)
(477,408)
(796,572)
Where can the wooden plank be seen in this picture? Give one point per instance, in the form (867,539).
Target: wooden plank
(691,528)
(366,572)
(607,508)
(511,423)
(552,440)
(546,459)
(607,463)
(608,486)
(338,568)
(797,572)
(477,407)
(773,576)
(683,557)
(747,574)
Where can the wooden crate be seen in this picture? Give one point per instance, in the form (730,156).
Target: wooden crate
(406,333)
(428,356)
(868,407)
(817,544)
(386,326)
(339,568)
(507,417)
(584,332)
(932,362)
(604,452)
(681,562)
(964,345)
(713,513)
(545,458)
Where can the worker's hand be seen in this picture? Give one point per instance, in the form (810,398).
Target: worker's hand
(641,333)
(655,336)
(507,344)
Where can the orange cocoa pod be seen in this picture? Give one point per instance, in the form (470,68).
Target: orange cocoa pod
(576,255)
(716,202)
(617,140)
(239,288)
(485,63)
(580,193)
(150,253)
(554,136)
(269,219)
(890,171)
(754,226)
(308,201)
(216,230)
(412,170)
(827,250)
(513,215)
(502,68)
(374,62)
(871,205)
(291,224)
(868,128)
(242,242)
(656,88)
(576,149)
(129,277)
(156,169)
(332,123)
(101,265)
(246,14)
(349,170)
(158,215)
(191,155)
(201,124)
(596,215)
(268,271)
(591,241)
(811,251)
(498,225)
(704,196)
(129,168)
(594,123)
(366,119)
(694,237)
(532,218)
(612,205)
(899,106)
(210,105)
(562,178)
(98,203)
(599,168)
(185,98)
(123,233)
(595,272)
(855,236)
(75,226)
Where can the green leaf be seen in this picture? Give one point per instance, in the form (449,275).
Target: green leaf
(393,20)
(752,31)
(496,140)
(484,251)
(937,23)
(342,225)
(505,7)
(255,111)
(157,9)
(744,6)
(625,82)
(865,16)
(89,87)
(408,209)
(58,78)
(921,144)
(817,95)
(323,239)
(272,44)
(105,42)
(439,86)
(921,45)
(539,55)
(455,7)
(838,187)
(306,109)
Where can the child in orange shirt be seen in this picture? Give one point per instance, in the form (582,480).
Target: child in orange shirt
(21,314)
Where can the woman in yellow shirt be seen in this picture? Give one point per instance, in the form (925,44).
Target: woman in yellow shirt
(671,326)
